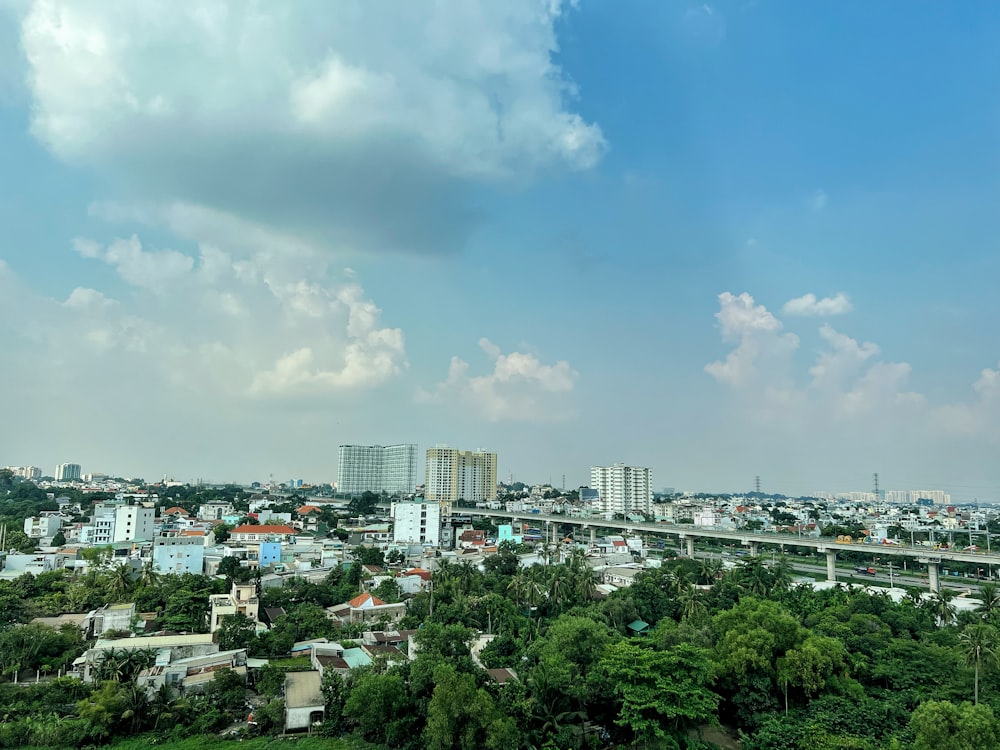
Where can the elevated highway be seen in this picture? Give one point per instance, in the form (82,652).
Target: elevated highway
(687,533)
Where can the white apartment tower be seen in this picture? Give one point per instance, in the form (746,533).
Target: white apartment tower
(454,475)
(416,523)
(377,468)
(68,472)
(623,489)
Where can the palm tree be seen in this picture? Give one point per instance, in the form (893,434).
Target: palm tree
(709,571)
(120,582)
(989,597)
(940,604)
(691,603)
(754,577)
(978,643)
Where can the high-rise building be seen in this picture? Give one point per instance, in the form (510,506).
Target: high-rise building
(25,472)
(454,475)
(377,468)
(623,489)
(68,472)
(415,522)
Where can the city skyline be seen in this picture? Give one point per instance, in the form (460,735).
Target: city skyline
(578,233)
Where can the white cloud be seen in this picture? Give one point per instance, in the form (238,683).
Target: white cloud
(846,380)
(809,305)
(154,271)
(321,117)
(520,388)
(757,334)
(842,361)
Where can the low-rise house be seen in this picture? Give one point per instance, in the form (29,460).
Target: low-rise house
(263,533)
(191,674)
(166,648)
(304,704)
(367,608)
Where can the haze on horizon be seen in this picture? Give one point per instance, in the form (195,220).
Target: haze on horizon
(720,240)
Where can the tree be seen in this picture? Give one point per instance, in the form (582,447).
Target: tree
(222,532)
(59,539)
(227,690)
(660,689)
(236,631)
(941,725)
(373,701)
(978,644)
(364,504)
(461,716)
(989,598)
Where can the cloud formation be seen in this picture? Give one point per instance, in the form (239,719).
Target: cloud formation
(757,336)
(846,381)
(521,388)
(360,124)
(809,305)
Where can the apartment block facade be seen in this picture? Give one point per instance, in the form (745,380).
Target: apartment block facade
(377,468)
(625,490)
(453,475)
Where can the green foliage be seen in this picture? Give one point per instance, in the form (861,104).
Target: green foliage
(941,725)
(659,694)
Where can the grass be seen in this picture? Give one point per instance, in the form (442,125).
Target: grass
(292,663)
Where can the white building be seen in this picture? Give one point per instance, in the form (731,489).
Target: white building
(25,472)
(377,468)
(454,475)
(133,523)
(417,523)
(68,472)
(625,490)
(43,526)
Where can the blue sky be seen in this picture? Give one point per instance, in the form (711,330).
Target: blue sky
(238,236)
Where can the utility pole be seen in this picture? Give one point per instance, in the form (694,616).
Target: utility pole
(890,571)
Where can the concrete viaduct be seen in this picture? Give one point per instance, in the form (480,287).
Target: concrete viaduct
(752,540)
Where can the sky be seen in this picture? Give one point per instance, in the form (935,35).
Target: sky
(722,240)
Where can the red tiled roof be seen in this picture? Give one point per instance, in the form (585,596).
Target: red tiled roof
(306,509)
(425,574)
(362,599)
(174,511)
(263,529)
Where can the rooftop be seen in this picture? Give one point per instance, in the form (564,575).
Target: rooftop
(302,690)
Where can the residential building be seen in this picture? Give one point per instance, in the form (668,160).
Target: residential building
(304,702)
(242,599)
(43,526)
(215,511)
(453,475)
(625,490)
(377,468)
(133,523)
(179,554)
(68,472)
(25,472)
(263,533)
(367,608)
(416,522)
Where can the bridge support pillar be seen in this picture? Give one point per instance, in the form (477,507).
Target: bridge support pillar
(754,549)
(690,546)
(831,565)
(593,536)
(932,577)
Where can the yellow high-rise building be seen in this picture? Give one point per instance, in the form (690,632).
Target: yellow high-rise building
(454,475)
